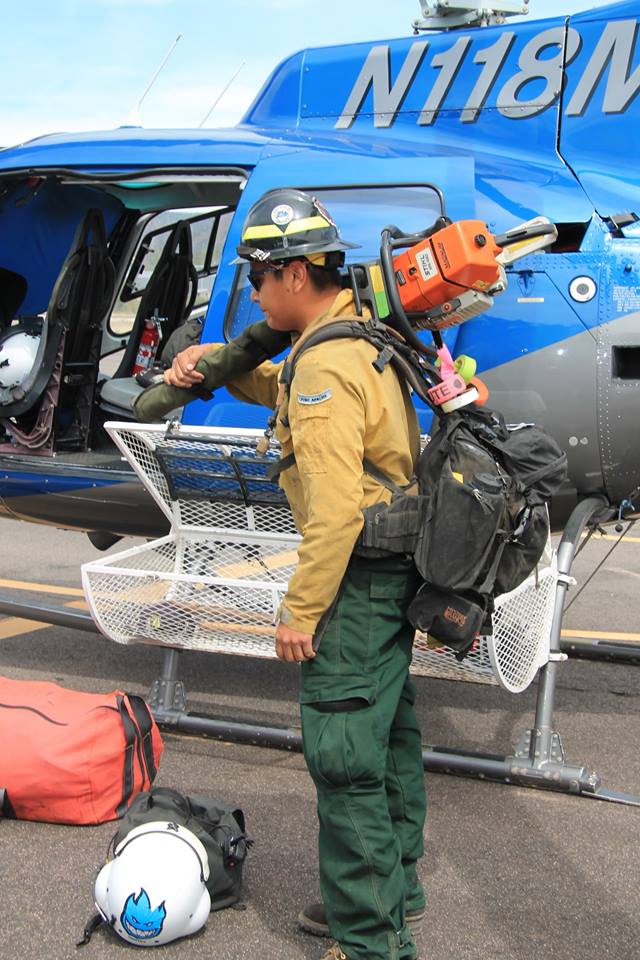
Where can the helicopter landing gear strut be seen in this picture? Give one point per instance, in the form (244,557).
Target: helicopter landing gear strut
(539,759)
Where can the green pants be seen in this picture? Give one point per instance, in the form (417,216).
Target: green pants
(363,748)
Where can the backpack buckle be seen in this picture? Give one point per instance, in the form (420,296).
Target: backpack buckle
(382,359)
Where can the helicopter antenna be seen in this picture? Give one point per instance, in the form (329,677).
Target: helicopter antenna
(221,95)
(444,14)
(133,119)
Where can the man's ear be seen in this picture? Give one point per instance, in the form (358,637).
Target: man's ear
(299,275)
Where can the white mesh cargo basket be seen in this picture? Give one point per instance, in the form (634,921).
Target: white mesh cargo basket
(518,647)
(216,581)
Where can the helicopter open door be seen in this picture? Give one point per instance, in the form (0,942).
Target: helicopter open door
(85,264)
(49,364)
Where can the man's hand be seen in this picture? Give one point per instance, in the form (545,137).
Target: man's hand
(293,646)
(182,372)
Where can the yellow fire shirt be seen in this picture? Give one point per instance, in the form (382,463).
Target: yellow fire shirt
(340,411)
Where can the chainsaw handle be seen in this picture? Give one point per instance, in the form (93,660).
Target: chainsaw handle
(397,311)
(399,239)
(518,234)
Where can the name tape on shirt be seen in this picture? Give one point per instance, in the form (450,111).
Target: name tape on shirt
(310,398)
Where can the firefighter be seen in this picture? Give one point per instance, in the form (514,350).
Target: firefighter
(343,618)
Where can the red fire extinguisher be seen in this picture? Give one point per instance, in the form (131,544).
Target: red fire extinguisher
(148,346)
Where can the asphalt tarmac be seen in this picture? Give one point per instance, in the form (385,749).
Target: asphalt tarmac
(511,873)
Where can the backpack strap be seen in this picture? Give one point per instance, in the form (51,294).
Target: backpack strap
(6,809)
(274,471)
(391,349)
(144,720)
(380,476)
(131,738)
(534,475)
(356,329)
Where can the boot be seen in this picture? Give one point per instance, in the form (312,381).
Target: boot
(335,953)
(313,919)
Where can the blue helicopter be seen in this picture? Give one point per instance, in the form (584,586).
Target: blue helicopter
(108,240)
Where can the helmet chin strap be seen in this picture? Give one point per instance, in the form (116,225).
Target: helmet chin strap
(91,926)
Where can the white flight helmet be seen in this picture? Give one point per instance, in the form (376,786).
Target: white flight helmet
(153,891)
(18,351)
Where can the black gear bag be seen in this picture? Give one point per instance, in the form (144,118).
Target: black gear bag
(219,827)
(485,525)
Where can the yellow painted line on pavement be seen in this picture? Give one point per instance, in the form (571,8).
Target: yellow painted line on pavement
(601,635)
(611,536)
(42,588)
(14,626)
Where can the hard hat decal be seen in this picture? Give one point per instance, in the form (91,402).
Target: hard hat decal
(312,398)
(322,210)
(287,224)
(139,919)
(282,214)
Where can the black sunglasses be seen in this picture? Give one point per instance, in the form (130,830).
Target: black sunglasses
(257,279)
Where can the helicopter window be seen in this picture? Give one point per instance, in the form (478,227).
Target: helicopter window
(208,231)
(626,363)
(242,311)
(570,237)
(361,214)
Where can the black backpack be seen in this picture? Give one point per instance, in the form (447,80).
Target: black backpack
(485,523)
(219,827)
(475,516)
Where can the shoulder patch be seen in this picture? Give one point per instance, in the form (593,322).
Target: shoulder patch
(311,398)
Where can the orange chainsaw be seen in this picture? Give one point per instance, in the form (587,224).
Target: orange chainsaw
(444,276)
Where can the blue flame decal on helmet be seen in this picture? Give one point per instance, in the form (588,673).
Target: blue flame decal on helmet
(139,920)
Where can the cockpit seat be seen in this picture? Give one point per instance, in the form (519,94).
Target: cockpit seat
(170,293)
(59,393)
(118,394)
(117,397)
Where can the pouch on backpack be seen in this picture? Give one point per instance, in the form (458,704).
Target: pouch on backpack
(522,553)
(394,528)
(451,618)
(458,543)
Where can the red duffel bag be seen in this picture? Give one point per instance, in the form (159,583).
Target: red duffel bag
(69,757)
